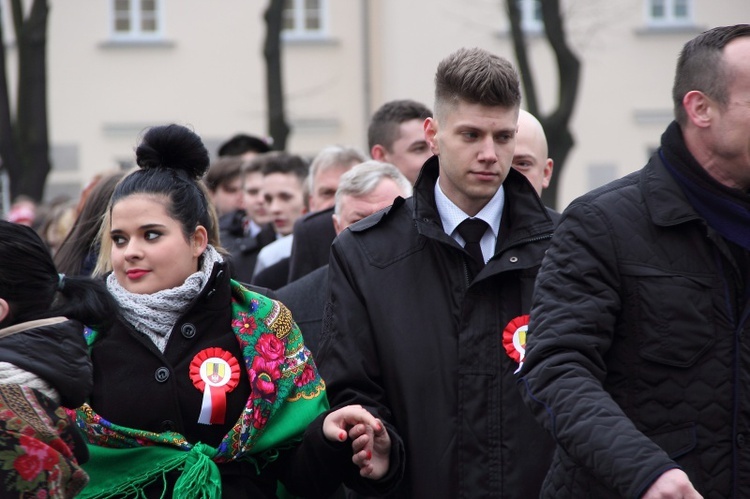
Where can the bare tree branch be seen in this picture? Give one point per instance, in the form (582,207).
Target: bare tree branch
(557,123)
(278,128)
(522,58)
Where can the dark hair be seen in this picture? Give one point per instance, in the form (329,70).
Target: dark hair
(282,162)
(222,171)
(701,67)
(31,285)
(77,253)
(476,76)
(385,122)
(241,144)
(172,160)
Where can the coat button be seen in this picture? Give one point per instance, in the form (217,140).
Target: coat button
(740,440)
(187,330)
(161,374)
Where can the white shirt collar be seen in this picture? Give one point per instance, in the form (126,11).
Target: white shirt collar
(451,215)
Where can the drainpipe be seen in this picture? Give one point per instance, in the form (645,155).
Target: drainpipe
(366,70)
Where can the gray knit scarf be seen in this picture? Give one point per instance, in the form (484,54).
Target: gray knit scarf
(155,314)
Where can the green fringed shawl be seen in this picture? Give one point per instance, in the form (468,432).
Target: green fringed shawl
(124,460)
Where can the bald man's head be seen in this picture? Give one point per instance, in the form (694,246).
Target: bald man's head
(530,156)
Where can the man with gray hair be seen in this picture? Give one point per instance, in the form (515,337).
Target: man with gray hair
(365,189)
(314,233)
(362,191)
(426,318)
(326,170)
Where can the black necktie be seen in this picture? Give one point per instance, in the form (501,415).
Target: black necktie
(472,230)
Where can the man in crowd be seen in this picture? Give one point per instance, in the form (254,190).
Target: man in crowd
(246,230)
(428,302)
(531,156)
(244,227)
(314,232)
(362,191)
(637,361)
(396,135)
(284,177)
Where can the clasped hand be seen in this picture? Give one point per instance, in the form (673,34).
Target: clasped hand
(371,444)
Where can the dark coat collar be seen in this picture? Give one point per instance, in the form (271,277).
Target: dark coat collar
(526,216)
(664,199)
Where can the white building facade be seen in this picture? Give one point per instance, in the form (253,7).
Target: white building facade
(116,67)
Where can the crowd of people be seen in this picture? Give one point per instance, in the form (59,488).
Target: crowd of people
(410,321)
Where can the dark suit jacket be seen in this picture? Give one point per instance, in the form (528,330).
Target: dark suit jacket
(306,298)
(242,247)
(274,276)
(313,235)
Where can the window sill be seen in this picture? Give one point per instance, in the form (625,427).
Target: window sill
(308,40)
(670,29)
(136,42)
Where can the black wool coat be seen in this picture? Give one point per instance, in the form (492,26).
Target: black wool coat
(410,336)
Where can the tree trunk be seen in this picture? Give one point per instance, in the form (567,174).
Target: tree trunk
(278,128)
(31,112)
(8,155)
(556,125)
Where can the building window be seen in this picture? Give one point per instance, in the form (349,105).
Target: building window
(304,19)
(531,15)
(669,12)
(136,19)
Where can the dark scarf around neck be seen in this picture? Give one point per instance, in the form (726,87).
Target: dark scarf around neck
(726,210)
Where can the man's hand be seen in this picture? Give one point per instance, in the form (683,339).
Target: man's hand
(672,484)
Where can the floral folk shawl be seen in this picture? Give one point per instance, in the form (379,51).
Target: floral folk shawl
(287,393)
(36,442)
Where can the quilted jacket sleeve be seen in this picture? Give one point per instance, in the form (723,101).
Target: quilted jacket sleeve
(575,308)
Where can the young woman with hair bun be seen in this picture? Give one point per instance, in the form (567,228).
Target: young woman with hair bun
(203,388)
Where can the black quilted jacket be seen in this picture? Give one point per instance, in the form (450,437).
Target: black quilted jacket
(637,360)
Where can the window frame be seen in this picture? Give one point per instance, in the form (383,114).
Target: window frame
(135,33)
(529,23)
(669,19)
(300,32)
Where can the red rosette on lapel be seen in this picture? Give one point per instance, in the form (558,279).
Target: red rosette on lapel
(215,372)
(514,339)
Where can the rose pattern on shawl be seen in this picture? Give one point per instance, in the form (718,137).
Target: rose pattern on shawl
(46,454)
(263,375)
(260,419)
(308,376)
(28,467)
(36,447)
(270,348)
(35,460)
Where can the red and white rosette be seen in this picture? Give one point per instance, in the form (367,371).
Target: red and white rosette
(514,339)
(215,372)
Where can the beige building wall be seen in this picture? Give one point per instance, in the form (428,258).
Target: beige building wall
(624,99)
(209,73)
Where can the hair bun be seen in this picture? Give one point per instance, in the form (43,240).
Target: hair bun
(175,147)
